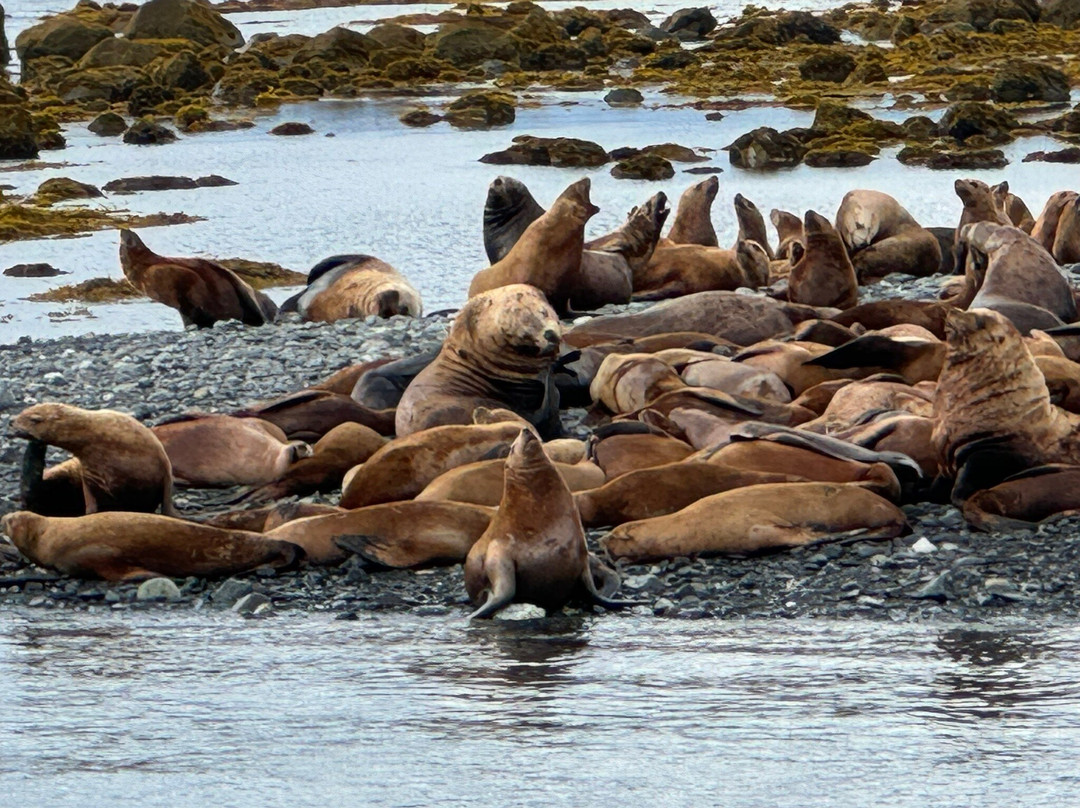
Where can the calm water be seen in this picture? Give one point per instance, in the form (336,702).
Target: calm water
(187,709)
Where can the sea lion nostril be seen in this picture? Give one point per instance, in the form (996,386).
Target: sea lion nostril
(551,336)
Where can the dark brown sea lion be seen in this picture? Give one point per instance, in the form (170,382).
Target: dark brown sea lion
(500,353)
(309,414)
(636,238)
(508,212)
(789,231)
(882,237)
(1045,228)
(53,491)
(693,216)
(394,534)
(1025,499)
(122,465)
(916,358)
(751,225)
(548,254)
(1013,207)
(979,205)
(1067,237)
(134,546)
(534,549)
(350,286)
(823,274)
(751,520)
(823,332)
(202,291)
(344,380)
(481,483)
(381,387)
(930,314)
(406,466)
(683,269)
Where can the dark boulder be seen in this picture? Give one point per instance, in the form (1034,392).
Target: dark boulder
(765,148)
(965,119)
(690,23)
(145,132)
(643,166)
(832,66)
(1029,81)
(108,124)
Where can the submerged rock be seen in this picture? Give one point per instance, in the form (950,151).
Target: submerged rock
(562,152)
(420,118)
(33,271)
(1029,81)
(292,129)
(131,185)
(58,189)
(624,97)
(1069,155)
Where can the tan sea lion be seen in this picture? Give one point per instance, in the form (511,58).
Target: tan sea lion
(548,254)
(202,291)
(217,451)
(397,534)
(851,404)
(823,274)
(122,465)
(930,314)
(1062,378)
(1067,236)
(916,357)
(1025,499)
(817,398)
(267,517)
(135,546)
(1013,207)
(626,446)
(534,549)
(683,269)
(309,414)
(789,231)
(1045,228)
(350,286)
(481,483)
(751,226)
(902,432)
(823,332)
(693,216)
(791,362)
(627,382)
(751,520)
(499,353)
(406,466)
(735,378)
(979,205)
(882,237)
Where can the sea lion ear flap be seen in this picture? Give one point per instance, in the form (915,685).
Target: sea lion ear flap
(798,250)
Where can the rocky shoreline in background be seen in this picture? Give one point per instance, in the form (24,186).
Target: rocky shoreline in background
(942,570)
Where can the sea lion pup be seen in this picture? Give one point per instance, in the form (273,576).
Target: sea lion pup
(915,356)
(693,215)
(500,352)
(308,415)
(381,387)
(992,410)
(349,286)
(791,361)
(218,451)
(135,546)
(267,517)
(979,205)
(1067,237)
(1045,228)
(405,466)
(481,483)
(882,237)
(627,382)
(343,447)
(1025,499)
(823,274)
(202,291)
(682,269)
(659,490)
(561,450)
(1013,207)
(628,445)
(123,466)
(759,518)
(738,318)
(534,549)
(508,212)
(751,225)
(406,534)
(548,254)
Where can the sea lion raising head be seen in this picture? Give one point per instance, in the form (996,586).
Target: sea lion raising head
(508,211)
(693,217)
(823,275)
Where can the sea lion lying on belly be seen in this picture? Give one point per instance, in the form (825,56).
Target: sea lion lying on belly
(350,286)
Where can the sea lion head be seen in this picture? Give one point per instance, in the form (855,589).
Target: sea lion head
(706,188)
(506,195)
(815,224)
(576,200)
(977,330)
(514,320)
(45,422)
(744,204)
(754,262)
(971,191)
(23,528)
(526,452)
(652,214)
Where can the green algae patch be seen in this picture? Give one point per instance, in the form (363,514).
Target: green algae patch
(22,222)
(263,274)
(95,290)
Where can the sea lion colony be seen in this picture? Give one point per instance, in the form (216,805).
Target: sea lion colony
(760,408)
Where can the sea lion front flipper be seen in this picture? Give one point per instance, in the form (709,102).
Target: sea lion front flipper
(502,580)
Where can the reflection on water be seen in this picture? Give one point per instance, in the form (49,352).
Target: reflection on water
(192,709)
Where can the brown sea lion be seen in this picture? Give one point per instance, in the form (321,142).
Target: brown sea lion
(343,381)
(902,432)
(1013,207)
(627,382)
(202,291)
(853,402)
(1062,380)
(683,269)
(398,534)
(823,274)
(381,388)
(791,362)
(823,332)
(789,231)
(751,520)
(626,446)
(53,491)
(508,212)
(500,353)
(548,254)
(979,205)
(217,451)
(309,414)
(693,216)
(406,466)
(135,546)
(751,225)
(1045,228)
(917,358)
(260,520)
(350,286)
(1067,237)
(481,483)
(882,237)
(817,398)
(930,314)
(122,465)
(735,378)
(1025,499)
(534,549)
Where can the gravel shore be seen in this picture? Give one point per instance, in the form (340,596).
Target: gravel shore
(941,570)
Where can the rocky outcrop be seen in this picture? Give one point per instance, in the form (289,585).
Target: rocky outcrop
(1029,81)
(831,66)
(119,51)
(420,118)
(132,185)
(338,45)
(1063,13)
(292,129)
(183,19)
(108,124)
(183,71)
(1070,155)
(765,148)
(690,23)
(668,151)
(643,166)
(63,35)
(563,152)
(470,45)
(481,109)
(966,119)
(18,139)
(624,97)
(59,189)
(145,132)
(947,159)
(782,28)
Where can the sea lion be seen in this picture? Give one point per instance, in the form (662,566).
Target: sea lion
(344,380)
(683,269)
(852,402)
(693,216)
(911,435)
(635,240)
(500,352)
(381,387)
(1067,236)
(548,254)
(398,534)
(628,382)
(1025,499)
(1045,228)
(350,286)
(508,212)
(823,274)
(53,491)
(1062,380)
(916,357)
(135,546)
(929,314)
(789,231)
(481,483)
(823,332)
(751,225)
(406,465)
(217,451)
(735,378)
(123,466)
(267,517)
(791,361)
(817,398)
(882,237)
(625,446)
(201,290)
(534,549)
(751,520)
(979,205)
(308,415)
(1013,207)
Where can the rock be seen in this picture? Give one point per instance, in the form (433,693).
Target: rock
(33,271)
(1069,123)
(131,185)
(643,166)
(229,592)
(938,158)
(1021,80)
(704,170)
(183,19)
(158,589)
(1069,155)
(18,136)
(690,23)
(5,52)
(340,45)
(183,71)
(555,56)
(392,35)
(919,127)
(468,46)
(291,129)
(832,117)
(1062,13)
(58,189)
(241,88)
(420,117)
(145,132)
(669,151)
(967,118)
(214,181)
(108,124)
(116,51)
(145,98)
(968,91)
(979,14)
(109,84)
(562,152)
(520,611)
(415,69)
(782,28)
(714,116)
(832,66)
(481,109)
(253,605)
(837,158)
(923,545)
(765,148)
(63,35)
(933,589)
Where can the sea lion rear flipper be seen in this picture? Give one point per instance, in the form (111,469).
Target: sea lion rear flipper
(871,350)
(502,580)
(611,582)
(984,463)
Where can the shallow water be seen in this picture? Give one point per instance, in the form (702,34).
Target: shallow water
(190,709)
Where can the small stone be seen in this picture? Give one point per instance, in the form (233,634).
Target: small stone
(663,606)
(53,378)
(252,604)
(347,616)
(108,124)
(521,611)
(230,592)
(420,118)
(158,589)
(923,545)
(112,596)
(292,128)
(934,589)
(624,96)
(714,116)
